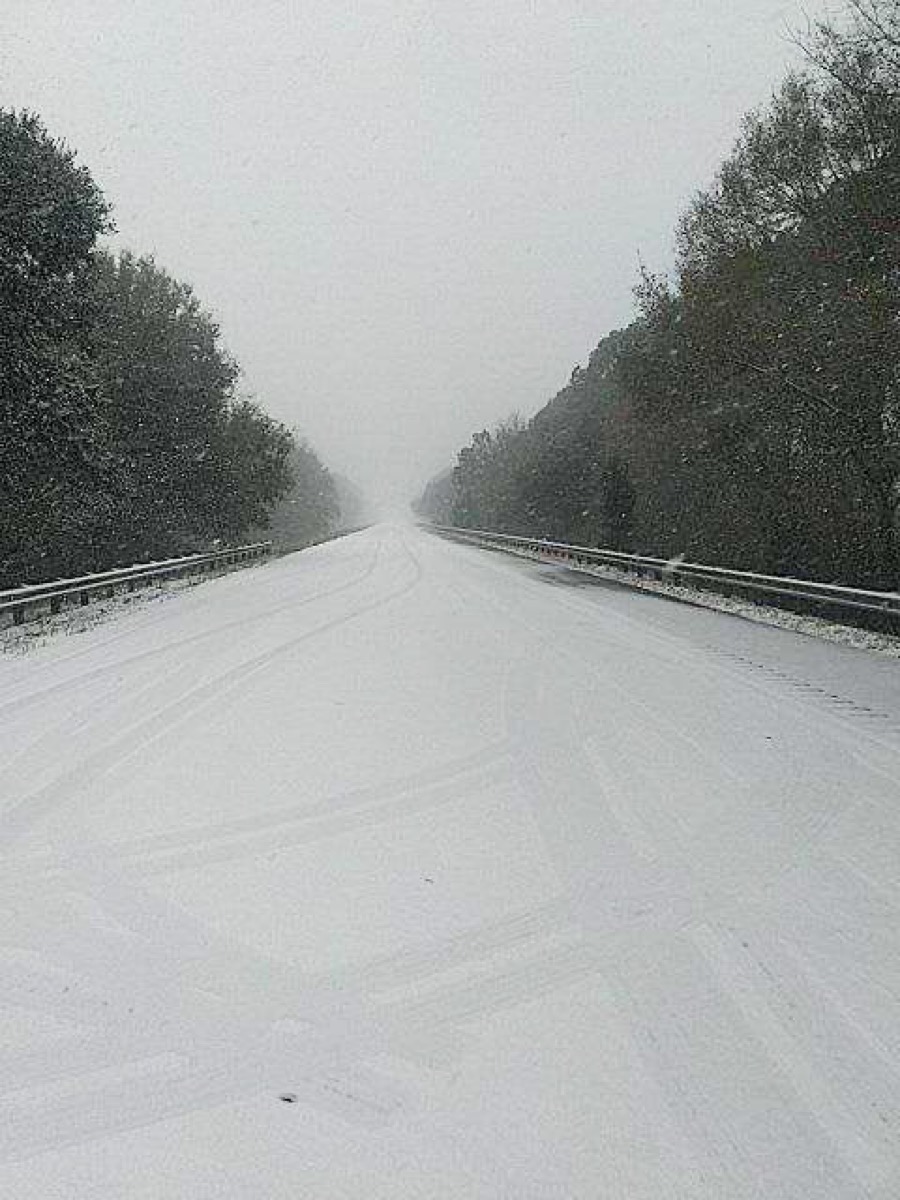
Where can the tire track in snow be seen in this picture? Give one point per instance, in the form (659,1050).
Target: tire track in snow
(849,1089)
(858,1154)
(97,711)
(751,1132)
(487,943)
(797,695)
(21,814)
(837,1138)
(217,1007)
(289,826)
(88,1110)
(606,931)
(24,702)
(809,823)
(875,722)
(114,961)
(854,721)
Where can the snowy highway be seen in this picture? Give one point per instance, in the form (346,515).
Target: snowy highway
(398,868)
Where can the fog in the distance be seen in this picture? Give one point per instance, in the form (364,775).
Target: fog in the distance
(411,218)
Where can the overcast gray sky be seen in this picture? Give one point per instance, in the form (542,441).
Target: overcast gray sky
(410,217)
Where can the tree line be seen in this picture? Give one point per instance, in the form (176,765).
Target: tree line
(750,413)
(123,433)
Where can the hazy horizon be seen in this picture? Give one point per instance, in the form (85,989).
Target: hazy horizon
(410,221)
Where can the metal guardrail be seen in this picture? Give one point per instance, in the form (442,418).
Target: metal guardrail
(37,598)
(765,587)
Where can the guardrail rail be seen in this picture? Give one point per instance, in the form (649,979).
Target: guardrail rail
(834,598)
(33,600)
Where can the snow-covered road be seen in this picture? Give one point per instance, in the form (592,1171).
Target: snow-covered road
(517,883)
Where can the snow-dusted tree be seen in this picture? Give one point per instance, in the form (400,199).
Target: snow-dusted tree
(310,510)
(193,460)
(53,454)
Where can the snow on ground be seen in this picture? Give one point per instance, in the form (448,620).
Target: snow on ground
(401,869)
(20,639)
(766,614)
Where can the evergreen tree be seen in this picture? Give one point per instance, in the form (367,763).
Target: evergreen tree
(53,446)
(750,415)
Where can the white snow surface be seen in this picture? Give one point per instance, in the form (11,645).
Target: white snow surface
(752,610)
(517,883)
(37,629)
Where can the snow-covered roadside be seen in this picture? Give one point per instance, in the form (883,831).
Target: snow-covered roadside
(37,631)
(20,639)
(829,631)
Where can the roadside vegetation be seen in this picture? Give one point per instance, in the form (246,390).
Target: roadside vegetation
(123,433)
(750,413)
